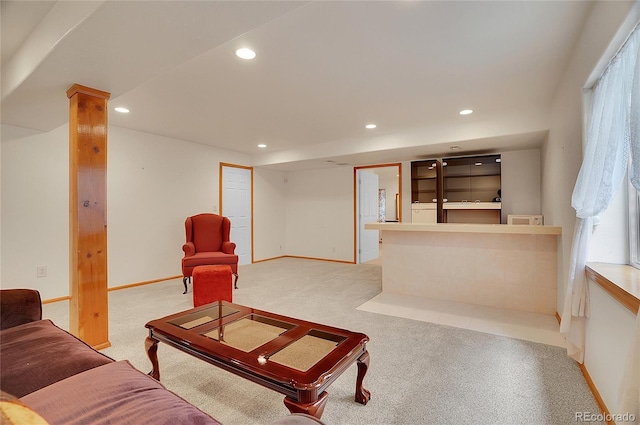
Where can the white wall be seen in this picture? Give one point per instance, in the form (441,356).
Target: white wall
(609,331)
(520,182)
(320,213)
(153,184)
(270,218)
(35,211)
(389,182)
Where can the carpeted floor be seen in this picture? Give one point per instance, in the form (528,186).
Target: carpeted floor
(420,372)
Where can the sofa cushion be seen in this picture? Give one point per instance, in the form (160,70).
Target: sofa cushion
(115,393)
(13,411)
(39,353)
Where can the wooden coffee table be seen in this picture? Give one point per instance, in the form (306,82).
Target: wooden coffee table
(296,358)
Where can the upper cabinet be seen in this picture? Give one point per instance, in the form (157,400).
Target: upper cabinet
(462,189)
(471,179)
(424,181)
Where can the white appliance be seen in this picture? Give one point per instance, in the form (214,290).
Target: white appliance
(524,219)
(424,213)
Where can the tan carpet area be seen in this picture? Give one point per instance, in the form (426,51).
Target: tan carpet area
(421,372)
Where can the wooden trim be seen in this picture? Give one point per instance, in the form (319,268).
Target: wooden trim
(102,346)
(391,164)
(269,259)
(399,192)
(304,258)
(318,259)
(245,167)
(146,282)
(355,215)
(625,298)
(117,288)
(599,401)
(55,300)
(592,386)
(79,89)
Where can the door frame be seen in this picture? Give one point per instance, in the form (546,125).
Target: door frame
(245,167)
(355,200)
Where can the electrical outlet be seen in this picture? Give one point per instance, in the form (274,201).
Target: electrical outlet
(41,271)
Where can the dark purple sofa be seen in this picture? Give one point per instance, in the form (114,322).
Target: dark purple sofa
(67,382)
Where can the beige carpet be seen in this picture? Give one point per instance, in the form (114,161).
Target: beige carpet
(420,372)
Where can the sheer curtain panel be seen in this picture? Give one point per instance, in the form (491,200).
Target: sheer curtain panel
(612,134)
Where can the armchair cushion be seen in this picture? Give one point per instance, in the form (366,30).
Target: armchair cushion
(209,259)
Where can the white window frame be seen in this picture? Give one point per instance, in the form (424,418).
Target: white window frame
(634,226)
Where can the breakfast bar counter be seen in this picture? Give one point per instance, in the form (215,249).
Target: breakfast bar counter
(495,265)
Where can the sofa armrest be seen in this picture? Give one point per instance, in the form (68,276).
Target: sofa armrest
(189,249)
(18,306)
(228,247)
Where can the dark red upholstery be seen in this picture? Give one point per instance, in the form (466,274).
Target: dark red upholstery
(207,244)
(211,284)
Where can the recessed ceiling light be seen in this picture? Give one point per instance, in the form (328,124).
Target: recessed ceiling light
(245,53)
(498,160)
(466,112)
(121,110)
(262,145)
(370,126)
(478,164)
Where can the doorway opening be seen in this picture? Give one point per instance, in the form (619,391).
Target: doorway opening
(377,198)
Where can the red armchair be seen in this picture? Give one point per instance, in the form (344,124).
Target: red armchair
(208,244)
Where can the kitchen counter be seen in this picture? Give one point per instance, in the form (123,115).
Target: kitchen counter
(472,205)
(466,228)
(494,265)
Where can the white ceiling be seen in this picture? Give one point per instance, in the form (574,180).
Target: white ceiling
(323,70)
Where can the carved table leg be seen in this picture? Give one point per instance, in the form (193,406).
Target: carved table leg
(362,395)
(184,282)
(151,345)
(314,408)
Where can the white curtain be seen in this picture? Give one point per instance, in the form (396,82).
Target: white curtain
(612,134)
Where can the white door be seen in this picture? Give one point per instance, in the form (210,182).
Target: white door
(367,212)
(236,204)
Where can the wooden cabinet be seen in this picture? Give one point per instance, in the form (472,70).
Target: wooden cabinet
(471,189)
(424,181)
(426,184)
(471,179)
(465,189)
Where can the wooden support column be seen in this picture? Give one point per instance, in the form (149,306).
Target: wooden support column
(89,307)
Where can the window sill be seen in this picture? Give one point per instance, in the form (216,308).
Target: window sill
(620,281)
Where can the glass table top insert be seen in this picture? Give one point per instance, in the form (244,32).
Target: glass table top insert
(215,312)
(251,331)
